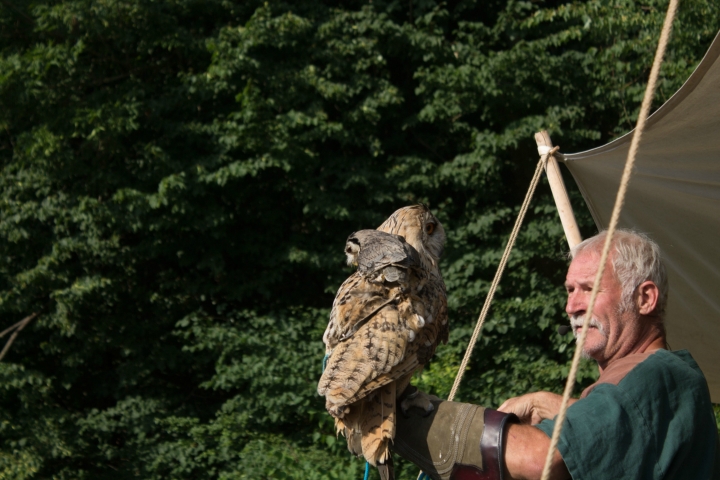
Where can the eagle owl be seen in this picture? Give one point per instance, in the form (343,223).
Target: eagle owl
(386,321)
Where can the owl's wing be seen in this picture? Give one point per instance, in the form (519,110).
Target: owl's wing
(376,334)
(368,331)
(364,304)
(340,396)
(379,249)
(428,299)
(357,300)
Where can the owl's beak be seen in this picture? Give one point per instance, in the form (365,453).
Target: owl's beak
(351,259)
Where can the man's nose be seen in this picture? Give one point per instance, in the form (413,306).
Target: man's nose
(576,303)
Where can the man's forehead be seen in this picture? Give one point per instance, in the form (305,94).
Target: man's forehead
(583,265)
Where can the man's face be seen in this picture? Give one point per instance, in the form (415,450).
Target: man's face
(611,330)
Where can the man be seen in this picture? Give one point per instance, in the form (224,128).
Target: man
(648,416)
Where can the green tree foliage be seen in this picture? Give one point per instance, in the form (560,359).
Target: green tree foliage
(179,177)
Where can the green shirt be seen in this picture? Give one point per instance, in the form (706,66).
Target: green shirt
(657,423)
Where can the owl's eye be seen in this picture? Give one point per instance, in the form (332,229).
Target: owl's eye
(430,228)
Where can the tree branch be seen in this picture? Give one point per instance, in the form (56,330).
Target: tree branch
(17,327)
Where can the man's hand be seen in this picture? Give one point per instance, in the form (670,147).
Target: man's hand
(534,407)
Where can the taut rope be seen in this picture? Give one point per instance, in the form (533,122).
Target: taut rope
(498,274)
(619,201)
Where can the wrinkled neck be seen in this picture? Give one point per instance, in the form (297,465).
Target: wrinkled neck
(651,339)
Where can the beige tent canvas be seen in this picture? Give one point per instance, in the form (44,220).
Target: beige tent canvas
(674,196)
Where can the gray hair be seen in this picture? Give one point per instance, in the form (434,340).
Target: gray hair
(635,259)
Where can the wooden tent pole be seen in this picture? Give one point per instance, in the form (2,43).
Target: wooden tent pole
(562,201)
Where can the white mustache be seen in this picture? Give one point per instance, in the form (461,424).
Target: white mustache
(577,321)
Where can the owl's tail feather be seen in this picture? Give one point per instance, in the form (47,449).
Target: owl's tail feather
(378,425)
(347,370)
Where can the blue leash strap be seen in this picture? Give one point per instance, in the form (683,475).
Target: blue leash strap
(327,355)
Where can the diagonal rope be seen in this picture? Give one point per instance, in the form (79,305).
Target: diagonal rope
(619,201)
(498,274)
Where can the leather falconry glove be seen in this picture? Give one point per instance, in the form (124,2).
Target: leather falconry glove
(456,441)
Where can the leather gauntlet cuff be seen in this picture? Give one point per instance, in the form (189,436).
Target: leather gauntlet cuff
(457,441)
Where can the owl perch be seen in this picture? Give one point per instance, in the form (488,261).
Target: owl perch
(387,319)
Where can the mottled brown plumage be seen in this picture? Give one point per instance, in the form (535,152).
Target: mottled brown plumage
(387,319)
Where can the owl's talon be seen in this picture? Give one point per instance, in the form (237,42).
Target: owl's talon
(337,411)
(420,400)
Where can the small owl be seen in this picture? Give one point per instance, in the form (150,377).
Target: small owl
(387,319)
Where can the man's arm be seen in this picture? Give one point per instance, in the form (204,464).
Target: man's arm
(469,436)
(534,407)
(525,452)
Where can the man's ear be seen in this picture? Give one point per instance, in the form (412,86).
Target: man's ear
(647,297)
